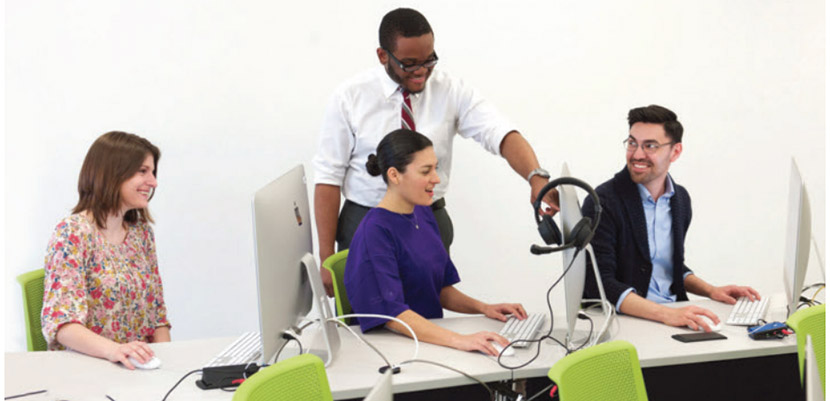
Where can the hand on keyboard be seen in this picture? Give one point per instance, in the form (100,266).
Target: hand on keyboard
(500,311)
(747,312)
(730,293)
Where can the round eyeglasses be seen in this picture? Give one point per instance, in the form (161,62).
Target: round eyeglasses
(649,147)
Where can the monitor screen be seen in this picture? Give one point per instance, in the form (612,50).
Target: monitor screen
(282,236)
(796,239)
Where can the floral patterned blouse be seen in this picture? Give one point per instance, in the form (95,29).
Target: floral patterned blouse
(114,290)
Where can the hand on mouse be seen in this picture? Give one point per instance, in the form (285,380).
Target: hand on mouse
(479,342)
(690,316)
(136,349)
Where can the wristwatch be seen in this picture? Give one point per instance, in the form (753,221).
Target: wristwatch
(540,172)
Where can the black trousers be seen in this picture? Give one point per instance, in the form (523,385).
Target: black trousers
(352,213)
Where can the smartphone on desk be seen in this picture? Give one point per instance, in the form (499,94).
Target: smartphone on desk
(693,337)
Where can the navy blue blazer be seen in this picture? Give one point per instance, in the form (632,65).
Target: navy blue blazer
(621,240)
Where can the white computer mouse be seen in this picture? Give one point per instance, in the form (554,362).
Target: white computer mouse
(509,352)
(715,327)
(152,363)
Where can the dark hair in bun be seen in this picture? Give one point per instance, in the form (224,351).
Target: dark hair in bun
(396,150)
(372,165)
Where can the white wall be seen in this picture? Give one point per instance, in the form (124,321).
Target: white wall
(233,92)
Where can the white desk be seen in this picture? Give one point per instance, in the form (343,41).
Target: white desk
(655,346)
(68,375)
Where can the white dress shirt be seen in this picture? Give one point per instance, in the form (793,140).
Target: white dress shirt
(367,107)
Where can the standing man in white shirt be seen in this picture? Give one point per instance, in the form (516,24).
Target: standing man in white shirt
(405,91)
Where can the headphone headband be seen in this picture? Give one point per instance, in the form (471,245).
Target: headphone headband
(537,204)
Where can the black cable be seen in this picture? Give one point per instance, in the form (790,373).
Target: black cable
(289,336)
(550,329)
(541,392)
(179,382)
(589,335)
(11,397)
(109,398)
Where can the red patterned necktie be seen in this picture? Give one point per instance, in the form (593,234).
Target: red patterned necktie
(407,121)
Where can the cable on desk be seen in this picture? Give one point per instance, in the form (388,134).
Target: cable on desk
(308,323)
(179,382)
(408,328)
(414,337)
(363,340)
(539,340)
(584,316)
(489,390)
(289,336)
(11,397)
(598,303)
(813,299)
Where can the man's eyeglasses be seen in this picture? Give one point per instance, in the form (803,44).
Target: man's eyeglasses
(414,67)
(650,147)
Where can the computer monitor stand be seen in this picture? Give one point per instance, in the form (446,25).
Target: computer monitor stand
(325,342)
(602,333)
(580,337)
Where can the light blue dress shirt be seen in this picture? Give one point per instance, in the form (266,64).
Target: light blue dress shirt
(660,245)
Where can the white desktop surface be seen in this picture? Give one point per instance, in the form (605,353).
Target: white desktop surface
(655,347)
(69,375)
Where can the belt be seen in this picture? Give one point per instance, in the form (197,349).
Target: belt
(437,205)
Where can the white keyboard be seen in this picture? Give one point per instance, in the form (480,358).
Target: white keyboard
(515,329)
(246,349)
(748,313)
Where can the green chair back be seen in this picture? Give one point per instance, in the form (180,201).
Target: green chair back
(32,285)
(608,371)
(302,377)
(336,265)
(809,321)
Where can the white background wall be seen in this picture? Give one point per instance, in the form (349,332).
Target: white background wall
(233,93)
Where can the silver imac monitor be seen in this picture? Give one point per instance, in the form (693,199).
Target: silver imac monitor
(796,239)
(288,282)
(570,214)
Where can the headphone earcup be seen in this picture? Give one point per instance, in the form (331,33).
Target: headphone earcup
(581,233)
(549,231)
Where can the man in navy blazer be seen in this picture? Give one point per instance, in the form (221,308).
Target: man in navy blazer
(639,244)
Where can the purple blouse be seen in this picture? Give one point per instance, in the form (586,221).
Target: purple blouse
(397,262)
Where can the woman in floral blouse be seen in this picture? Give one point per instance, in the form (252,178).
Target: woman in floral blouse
(103,294)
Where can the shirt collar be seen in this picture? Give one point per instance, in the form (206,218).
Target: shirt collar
(646,196)
(390,88)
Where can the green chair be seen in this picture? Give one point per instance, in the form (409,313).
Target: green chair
(302,377)
(809,321)
(608,371)
(336,265)
(32,285)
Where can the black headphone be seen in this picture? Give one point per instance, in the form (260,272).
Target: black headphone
(582,232)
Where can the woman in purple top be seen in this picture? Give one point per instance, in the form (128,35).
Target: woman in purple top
(397,264)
